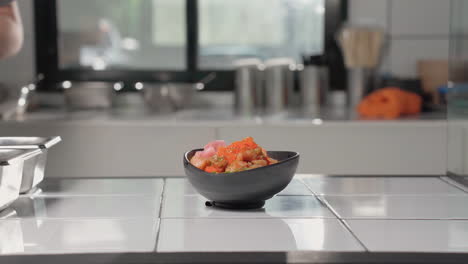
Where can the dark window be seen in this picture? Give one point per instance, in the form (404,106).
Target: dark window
(179,40)
(122,34)
(229,30)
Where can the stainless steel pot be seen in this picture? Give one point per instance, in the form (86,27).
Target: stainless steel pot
(171,96)
(88,95)
(279,84)
(249,91)
(168,96)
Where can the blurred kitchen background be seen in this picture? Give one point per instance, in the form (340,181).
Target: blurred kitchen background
(131,84)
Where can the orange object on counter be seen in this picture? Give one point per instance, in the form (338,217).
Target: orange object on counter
(390,103)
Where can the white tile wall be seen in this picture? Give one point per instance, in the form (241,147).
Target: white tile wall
(369,11)
(417,29)
(405,54)
(420,17)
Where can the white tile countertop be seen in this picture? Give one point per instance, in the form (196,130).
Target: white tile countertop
(321,214)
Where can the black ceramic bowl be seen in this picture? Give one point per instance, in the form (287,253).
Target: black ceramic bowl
(246,189)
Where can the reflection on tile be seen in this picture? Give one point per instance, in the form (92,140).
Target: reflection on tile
(179,186)
(412,235)
(11,237)
(176,206)
(87,206)
(400,207)
(380,185)
(44,236)
(8,213)
(182,186)
(57,187)
(271,234)
(296,187)
(455,183)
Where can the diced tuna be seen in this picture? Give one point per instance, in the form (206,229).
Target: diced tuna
(212,148)
(201,158)
(199,161)
(216,144)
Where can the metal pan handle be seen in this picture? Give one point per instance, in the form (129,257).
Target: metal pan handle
(200,85)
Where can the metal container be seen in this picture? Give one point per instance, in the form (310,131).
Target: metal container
(168,96)
(31,206)
(314,86)
(34,167)
(88,95)
(11,171)
(359,81)
(313,79)
(249,89)
(171,96)
(279,84)
(310,87)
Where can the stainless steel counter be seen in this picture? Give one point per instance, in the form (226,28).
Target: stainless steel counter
(214,115)
(324,215)
(122,141)
(207,107)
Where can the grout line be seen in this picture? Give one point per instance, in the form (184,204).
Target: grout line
(343,221)
(335,213)
(277,195)
(160,215)
(326,204)
(16,218)
(373,176)
(418,37)
(73,218)
(454,184)
(310,194)
(308,187)
(86,195)
(345,224)
(50,180)
(253,217)
(390,195)
(405,219)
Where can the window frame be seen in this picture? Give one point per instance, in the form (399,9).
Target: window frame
(49,76)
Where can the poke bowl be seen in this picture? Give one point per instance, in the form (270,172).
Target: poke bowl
(246,188)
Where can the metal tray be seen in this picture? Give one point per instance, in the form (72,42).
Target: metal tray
(33,171)
(28,142)
(11,171)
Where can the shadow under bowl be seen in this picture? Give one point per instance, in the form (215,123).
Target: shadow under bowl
(246,189)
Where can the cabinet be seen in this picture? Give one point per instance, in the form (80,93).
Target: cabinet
(94,148)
